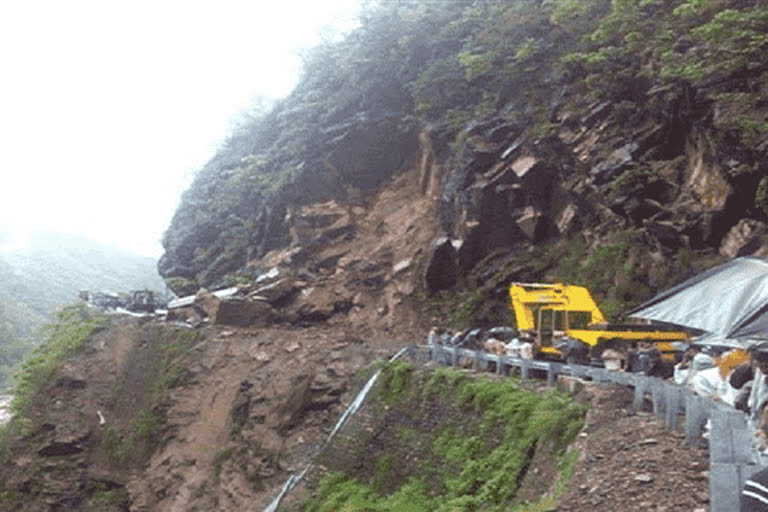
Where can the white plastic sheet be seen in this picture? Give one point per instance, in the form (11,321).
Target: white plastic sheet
(730,300)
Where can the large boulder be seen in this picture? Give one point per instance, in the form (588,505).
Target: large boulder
(279,293)
(243,312)
(442,267)
(208,302)
(528,222)
(746,237)
(614,164)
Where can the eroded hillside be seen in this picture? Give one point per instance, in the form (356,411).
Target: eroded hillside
(146,415)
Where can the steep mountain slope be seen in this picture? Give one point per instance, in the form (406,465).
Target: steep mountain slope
(624,142)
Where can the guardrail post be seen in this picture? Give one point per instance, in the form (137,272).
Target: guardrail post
(552,372)
(641,386)
(599,375)
(443,356)
(499,365)
(455,356)
(673,399)
(524,367)
(695,417)
(657,396)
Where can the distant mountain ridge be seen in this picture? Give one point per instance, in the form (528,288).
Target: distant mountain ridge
(46,272)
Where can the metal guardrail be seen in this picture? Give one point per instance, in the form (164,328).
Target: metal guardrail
(733,452)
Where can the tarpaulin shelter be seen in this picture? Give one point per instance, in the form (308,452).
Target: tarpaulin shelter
(729,301)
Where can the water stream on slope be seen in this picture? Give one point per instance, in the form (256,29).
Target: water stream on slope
(294,480)
(5,405)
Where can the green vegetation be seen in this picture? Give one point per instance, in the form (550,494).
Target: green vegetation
(476,459)
(566,464)
(761,195)
(151,373)
(660,67)
(613,272)
(45,274)
(12,352)
(237,278)
(677,42)
(182,286)
(219,459)
(105,499)
(461,307)
(64,336)
(140,440)
(619,274)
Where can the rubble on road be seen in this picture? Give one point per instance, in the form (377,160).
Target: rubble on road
(630,461)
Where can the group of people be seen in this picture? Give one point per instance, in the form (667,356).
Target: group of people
(740,378)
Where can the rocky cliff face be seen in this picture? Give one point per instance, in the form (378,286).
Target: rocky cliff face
(546,129)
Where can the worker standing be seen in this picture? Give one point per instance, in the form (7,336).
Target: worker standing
(754,496)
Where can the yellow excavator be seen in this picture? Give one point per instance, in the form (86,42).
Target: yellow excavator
(563,321)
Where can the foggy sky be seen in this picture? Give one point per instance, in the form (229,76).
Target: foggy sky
(107,108)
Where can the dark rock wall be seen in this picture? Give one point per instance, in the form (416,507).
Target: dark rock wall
(552,153)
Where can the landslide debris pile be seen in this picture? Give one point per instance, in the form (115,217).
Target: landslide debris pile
(123,413)
(355,268)
(619,145)
(443,440)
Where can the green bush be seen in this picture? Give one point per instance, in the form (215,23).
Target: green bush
(472,468)
(109,497)
(182,286)
(613,273)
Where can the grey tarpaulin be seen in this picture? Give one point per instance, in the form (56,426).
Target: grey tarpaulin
(730,300)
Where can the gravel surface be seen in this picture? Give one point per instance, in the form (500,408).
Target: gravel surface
(631,462)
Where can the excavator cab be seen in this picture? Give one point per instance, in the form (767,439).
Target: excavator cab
(552,324)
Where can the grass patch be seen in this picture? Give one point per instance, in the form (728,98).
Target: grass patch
(219,459)
(396,382)
(137,442)
(474,460)
(63,336)
(149,374)
(109,498)
(458,306)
